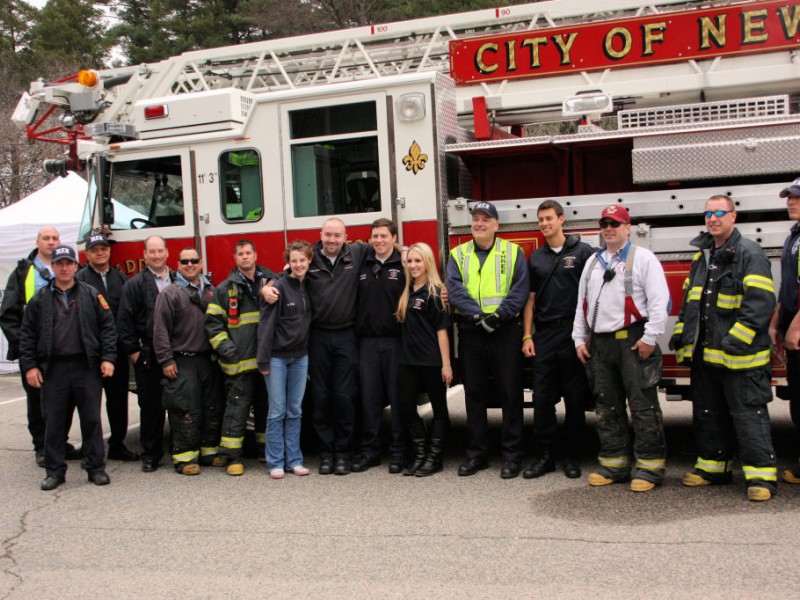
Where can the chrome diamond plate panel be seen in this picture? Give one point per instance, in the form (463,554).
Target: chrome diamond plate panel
(714,154)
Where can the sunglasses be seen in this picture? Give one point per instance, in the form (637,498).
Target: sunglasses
(717,213)
(189,261)
(614,224)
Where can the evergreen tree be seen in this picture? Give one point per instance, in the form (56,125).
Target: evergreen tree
(71,31)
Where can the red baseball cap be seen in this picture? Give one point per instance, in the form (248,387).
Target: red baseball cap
(616,213)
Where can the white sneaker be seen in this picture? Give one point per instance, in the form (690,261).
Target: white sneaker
(300,470)
(276,473)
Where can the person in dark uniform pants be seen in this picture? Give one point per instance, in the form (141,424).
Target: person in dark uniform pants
(30,275)
(380,285)
(487,283)
(135,327)
(555,273)
(109,281)
(785,323)
(68,342)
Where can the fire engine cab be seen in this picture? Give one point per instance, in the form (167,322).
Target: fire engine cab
(654,106)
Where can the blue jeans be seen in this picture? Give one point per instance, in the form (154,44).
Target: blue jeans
(286,384)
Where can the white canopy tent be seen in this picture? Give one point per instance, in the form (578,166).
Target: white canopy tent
(60,204)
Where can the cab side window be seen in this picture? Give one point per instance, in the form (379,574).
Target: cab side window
(241,196)
(335,165)
(147,193)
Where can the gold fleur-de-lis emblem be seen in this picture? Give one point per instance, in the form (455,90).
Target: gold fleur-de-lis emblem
(415,160)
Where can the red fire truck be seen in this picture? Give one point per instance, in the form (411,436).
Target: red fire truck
(654,106)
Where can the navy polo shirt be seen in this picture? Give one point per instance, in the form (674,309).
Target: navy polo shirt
(788,293)
(561,293)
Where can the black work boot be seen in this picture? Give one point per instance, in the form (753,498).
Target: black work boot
(419,444)
(435,460)
(544,462)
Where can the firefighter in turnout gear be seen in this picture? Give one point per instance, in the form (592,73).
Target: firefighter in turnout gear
(622,308)
(723,331)
(192,381)
(232,328)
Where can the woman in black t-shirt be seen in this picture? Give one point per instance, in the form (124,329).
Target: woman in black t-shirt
(424,358)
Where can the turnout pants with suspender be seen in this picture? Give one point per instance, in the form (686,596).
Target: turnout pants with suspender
(619,374)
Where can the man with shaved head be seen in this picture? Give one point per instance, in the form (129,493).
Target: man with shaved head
(32,274)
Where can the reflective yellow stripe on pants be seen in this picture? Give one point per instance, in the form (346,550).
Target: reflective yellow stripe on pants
(760,473)
(233,443)
(716,467)
(614,462)
(184,457)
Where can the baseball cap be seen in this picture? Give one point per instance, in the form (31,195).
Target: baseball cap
(97,239)
(616,213)
(793,189)
(486,207)
(64,252)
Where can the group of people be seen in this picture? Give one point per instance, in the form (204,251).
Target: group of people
(368,324)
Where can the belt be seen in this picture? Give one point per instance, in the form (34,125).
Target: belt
(557,324)
(622,333)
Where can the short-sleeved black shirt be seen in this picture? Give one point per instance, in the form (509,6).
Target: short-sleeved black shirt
(419,339)
(560,295)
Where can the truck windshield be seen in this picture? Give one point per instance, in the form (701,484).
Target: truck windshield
(147,193)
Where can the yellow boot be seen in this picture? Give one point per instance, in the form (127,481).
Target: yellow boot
(595,479)
(758,494)
(235,468)
(695,480)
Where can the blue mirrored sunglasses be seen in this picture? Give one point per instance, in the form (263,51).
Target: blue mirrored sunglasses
(717,213)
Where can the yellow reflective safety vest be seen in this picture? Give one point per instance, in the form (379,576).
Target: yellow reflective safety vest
(489,284)
(727,305)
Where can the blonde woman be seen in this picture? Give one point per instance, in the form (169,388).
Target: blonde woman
(424,358)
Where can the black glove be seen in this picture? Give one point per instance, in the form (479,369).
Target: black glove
(490,322)
(675,341)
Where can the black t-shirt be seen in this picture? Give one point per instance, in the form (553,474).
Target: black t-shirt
(425,316)
(560,296)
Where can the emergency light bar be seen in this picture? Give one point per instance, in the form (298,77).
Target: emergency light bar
(590,102)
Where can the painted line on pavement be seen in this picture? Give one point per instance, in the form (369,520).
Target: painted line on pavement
(13,400)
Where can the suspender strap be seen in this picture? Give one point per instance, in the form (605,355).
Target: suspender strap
(631,312)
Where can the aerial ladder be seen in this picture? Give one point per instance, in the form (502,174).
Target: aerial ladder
(383,50)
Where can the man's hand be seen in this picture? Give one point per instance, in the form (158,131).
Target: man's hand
(644,350)
(34,377)
(135,357)
(583,353)
(170,371)
(490,323)
(792,339)
(107,368)
(528,348)
(264,372)
(269,294)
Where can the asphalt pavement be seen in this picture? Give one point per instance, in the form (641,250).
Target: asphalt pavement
(375,535)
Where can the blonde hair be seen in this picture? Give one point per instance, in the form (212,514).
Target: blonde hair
(434,281)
